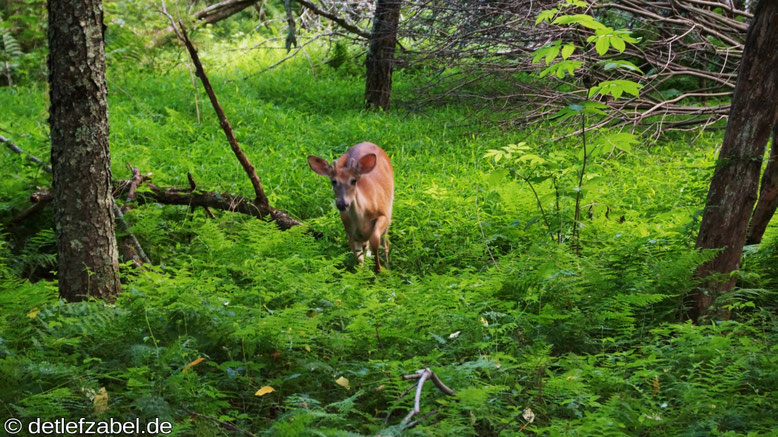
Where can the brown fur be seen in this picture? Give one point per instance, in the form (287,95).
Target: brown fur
(367,204)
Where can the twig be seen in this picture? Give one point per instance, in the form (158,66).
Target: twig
(38,203)
(135,181)
(422,375)
(193,187)
(15,148)
(335,19)
(134,243)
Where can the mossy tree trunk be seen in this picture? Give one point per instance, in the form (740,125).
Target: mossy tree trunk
(83,218)
(380,55)
(735,181)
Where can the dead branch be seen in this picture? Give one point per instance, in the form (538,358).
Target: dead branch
(39,201)
(193,187)
(222,10)
(135,181)
(335,19)
(16,149)
(479,47)
(133,249)
(262,204)
(422,375)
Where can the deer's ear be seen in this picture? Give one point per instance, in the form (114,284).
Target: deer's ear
(319,166)
(366,163)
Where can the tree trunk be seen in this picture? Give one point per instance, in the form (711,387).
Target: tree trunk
(768,196)
(83,218)
(380,55)
(735,181)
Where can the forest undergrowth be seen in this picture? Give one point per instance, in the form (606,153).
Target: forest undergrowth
(537,332)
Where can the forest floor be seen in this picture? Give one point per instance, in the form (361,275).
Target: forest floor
(537,332)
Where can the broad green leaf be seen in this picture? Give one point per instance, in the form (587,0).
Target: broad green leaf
(532,159)
(618,43)
(616,88)
(602,45)
(546,15)
(611,64)
(560,68)
(551,54)
(581,19)
(568,50)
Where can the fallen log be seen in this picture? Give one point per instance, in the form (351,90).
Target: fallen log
(208,199)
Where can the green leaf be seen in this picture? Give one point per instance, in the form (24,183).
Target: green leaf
(551,54)
(602,45)
(568,50)
(546,15)
(560,68)
(581,19)
(616,88)
(612,64)
(532,159)
(618,43)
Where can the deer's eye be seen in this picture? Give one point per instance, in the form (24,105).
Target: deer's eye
(353,182)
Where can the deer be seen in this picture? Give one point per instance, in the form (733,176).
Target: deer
(363,182)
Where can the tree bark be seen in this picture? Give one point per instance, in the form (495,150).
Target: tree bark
(380,55)
(768,196)
(83,219)
(735,181)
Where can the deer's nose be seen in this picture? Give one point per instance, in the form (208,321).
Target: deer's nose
(341,205)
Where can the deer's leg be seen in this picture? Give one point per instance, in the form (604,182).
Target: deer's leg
(375,239)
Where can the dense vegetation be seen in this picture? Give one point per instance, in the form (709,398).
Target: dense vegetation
(536,331)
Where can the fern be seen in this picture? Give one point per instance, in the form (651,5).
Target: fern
(10,53)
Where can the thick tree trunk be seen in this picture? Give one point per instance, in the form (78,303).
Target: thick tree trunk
(83,218)
(380,56)
(768,196)
(735,181)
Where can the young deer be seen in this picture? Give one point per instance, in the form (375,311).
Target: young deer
(363,181)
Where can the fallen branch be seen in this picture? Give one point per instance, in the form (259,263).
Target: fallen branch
(222,10)
(39,200)
(15,148)
(195,198)
(185,197)
(335,19)
(193,187)
(134,252)
(422,375)
(131,247)
(261,203)
(135,181)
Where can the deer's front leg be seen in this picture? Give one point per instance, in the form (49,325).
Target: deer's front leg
(375,239)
